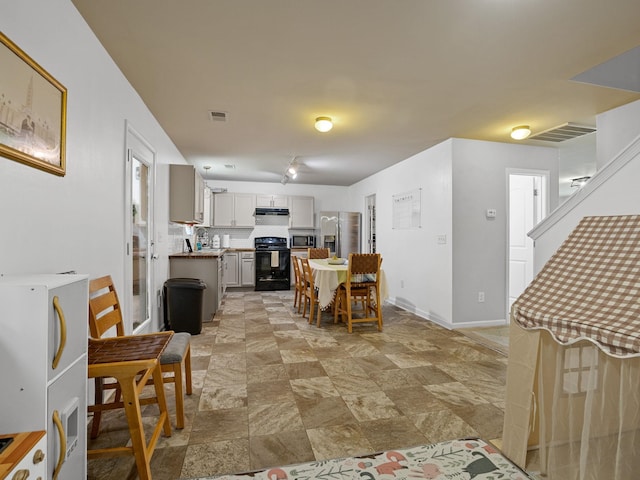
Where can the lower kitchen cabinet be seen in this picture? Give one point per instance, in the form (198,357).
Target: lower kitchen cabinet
(240,269)
(247,269)
(44,348)
(231,270)
(209,269)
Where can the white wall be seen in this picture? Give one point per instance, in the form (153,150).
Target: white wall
(459,179)
(479,243)
(418,269)
(76,222)
(612,190)
(617,128)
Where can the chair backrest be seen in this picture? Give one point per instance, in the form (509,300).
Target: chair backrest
(306,273)
(318,253)
(364,267)
(104,307)
(296,269)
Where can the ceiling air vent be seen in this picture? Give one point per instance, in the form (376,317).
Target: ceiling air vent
(563,132)
(217,116)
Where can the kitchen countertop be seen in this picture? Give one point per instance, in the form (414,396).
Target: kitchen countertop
(210,252)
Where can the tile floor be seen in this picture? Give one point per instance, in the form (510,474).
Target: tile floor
(270,390)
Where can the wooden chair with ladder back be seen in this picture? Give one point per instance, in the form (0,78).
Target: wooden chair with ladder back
(298,283)
(104,314)
(362,285)
(310,294)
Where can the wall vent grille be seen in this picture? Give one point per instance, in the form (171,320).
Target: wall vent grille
(215,116)
(563,132)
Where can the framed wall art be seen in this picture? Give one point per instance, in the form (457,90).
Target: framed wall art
(33,111)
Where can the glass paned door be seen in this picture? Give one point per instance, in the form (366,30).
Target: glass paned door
(140,245)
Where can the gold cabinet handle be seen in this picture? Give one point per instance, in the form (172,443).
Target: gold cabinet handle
(38,457)
(63,444)
(20,475)
(63,332)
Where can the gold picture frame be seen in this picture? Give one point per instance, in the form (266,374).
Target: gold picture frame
(33,112)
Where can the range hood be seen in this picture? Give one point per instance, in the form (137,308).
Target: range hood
(282,212)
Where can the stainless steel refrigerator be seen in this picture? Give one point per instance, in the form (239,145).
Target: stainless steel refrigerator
(341,232)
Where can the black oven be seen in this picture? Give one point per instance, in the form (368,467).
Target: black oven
(273,264)
(302,241)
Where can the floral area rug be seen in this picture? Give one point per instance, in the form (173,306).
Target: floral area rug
(453,460)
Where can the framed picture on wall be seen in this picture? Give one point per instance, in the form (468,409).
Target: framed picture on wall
(33,111)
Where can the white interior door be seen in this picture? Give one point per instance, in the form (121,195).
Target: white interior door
(527,206)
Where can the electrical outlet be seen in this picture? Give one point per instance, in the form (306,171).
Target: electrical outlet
(480,297)
(442,239)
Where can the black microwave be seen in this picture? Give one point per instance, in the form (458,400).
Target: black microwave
(303,241)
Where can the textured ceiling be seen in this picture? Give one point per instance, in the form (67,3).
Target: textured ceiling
(397,76)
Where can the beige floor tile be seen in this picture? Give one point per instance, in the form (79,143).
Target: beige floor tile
(270,390)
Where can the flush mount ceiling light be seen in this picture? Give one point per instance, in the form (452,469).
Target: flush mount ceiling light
(521,132)
(324,124)
(579,182)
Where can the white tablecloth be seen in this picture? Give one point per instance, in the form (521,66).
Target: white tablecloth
(327,278)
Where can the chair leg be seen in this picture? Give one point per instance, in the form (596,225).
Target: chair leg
(312,305)
(98,400)
(349,311)
(319,315)
(187,370)
(177,376)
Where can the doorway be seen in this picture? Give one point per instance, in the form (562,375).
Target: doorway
(528,205)
(370,209)
(140,176)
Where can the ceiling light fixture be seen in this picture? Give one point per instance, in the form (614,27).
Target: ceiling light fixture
(324,124)
(521,132)
(579,182)
(291,172)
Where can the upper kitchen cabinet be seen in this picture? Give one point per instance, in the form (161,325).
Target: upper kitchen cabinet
(234,210)
(275,201)
(186,195)
(301,211)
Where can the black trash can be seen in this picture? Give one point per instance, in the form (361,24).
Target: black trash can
(183,304)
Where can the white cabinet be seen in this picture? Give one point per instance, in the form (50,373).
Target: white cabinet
(301,212)
(43,347)
(234,210)
(186,195)
(231,271)
(247,269)
(275,201)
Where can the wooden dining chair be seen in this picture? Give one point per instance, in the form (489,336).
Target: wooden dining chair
(104,314)
(298,283)
(362,285)
(310,294)
(318,253)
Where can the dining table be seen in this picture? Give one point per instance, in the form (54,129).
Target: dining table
(327,276)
